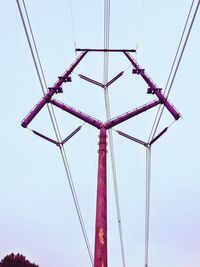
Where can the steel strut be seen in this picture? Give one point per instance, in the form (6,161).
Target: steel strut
(153,87)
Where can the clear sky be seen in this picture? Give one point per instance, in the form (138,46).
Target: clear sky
(38,217)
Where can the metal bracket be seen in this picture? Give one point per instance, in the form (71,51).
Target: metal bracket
(57,90)
(152,90)
(137,71)
(68,79)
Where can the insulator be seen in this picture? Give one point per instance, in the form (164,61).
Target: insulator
(158,136)
(71,135)
(45,137)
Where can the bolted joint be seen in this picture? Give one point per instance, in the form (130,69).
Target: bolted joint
(63,79)
(56,89)
(137,71)
(151,90)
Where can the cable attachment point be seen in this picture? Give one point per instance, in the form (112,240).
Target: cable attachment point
(56,89)
(137,71)
(148,145)
(151,90)
(68,79)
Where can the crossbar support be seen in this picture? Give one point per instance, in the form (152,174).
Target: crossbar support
(51,91)
(80,115)
(104,50)
(153,87)
(113,122)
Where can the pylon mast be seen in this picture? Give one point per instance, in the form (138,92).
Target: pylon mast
(100,251)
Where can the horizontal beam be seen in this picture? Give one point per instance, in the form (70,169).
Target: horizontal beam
(113,122)
(80,115)
(104,50)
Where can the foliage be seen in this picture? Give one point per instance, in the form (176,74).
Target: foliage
(17,260)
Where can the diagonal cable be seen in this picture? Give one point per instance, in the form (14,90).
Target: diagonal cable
(157,121)
(161,109)
(55,124)
(147,209)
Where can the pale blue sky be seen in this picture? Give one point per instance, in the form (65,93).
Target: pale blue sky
(38,217)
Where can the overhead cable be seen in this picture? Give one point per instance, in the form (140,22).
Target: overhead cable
(73,28)
(76,202)
(39,69)
(161,109)
(108,115)
(152,137)
(147,209)
(140,25)
(55,126)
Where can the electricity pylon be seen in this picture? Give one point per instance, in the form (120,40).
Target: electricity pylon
(100,250)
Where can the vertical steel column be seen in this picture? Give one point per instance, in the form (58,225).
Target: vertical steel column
(100,253)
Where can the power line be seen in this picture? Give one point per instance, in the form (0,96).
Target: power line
(141,25)
(40,69)
(147,209)
(76,202)
(55,125)
(156,123)
(73,28)
(161,109)
(108,115)
(179,45)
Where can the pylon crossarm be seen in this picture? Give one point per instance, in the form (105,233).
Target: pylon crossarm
(153,87)
(66,74)
(56,88)
(104,50)
(31,115)
(113,122)
(79,114)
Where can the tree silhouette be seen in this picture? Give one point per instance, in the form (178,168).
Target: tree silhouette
(17,260)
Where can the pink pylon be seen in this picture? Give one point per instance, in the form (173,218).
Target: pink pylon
(100,251)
